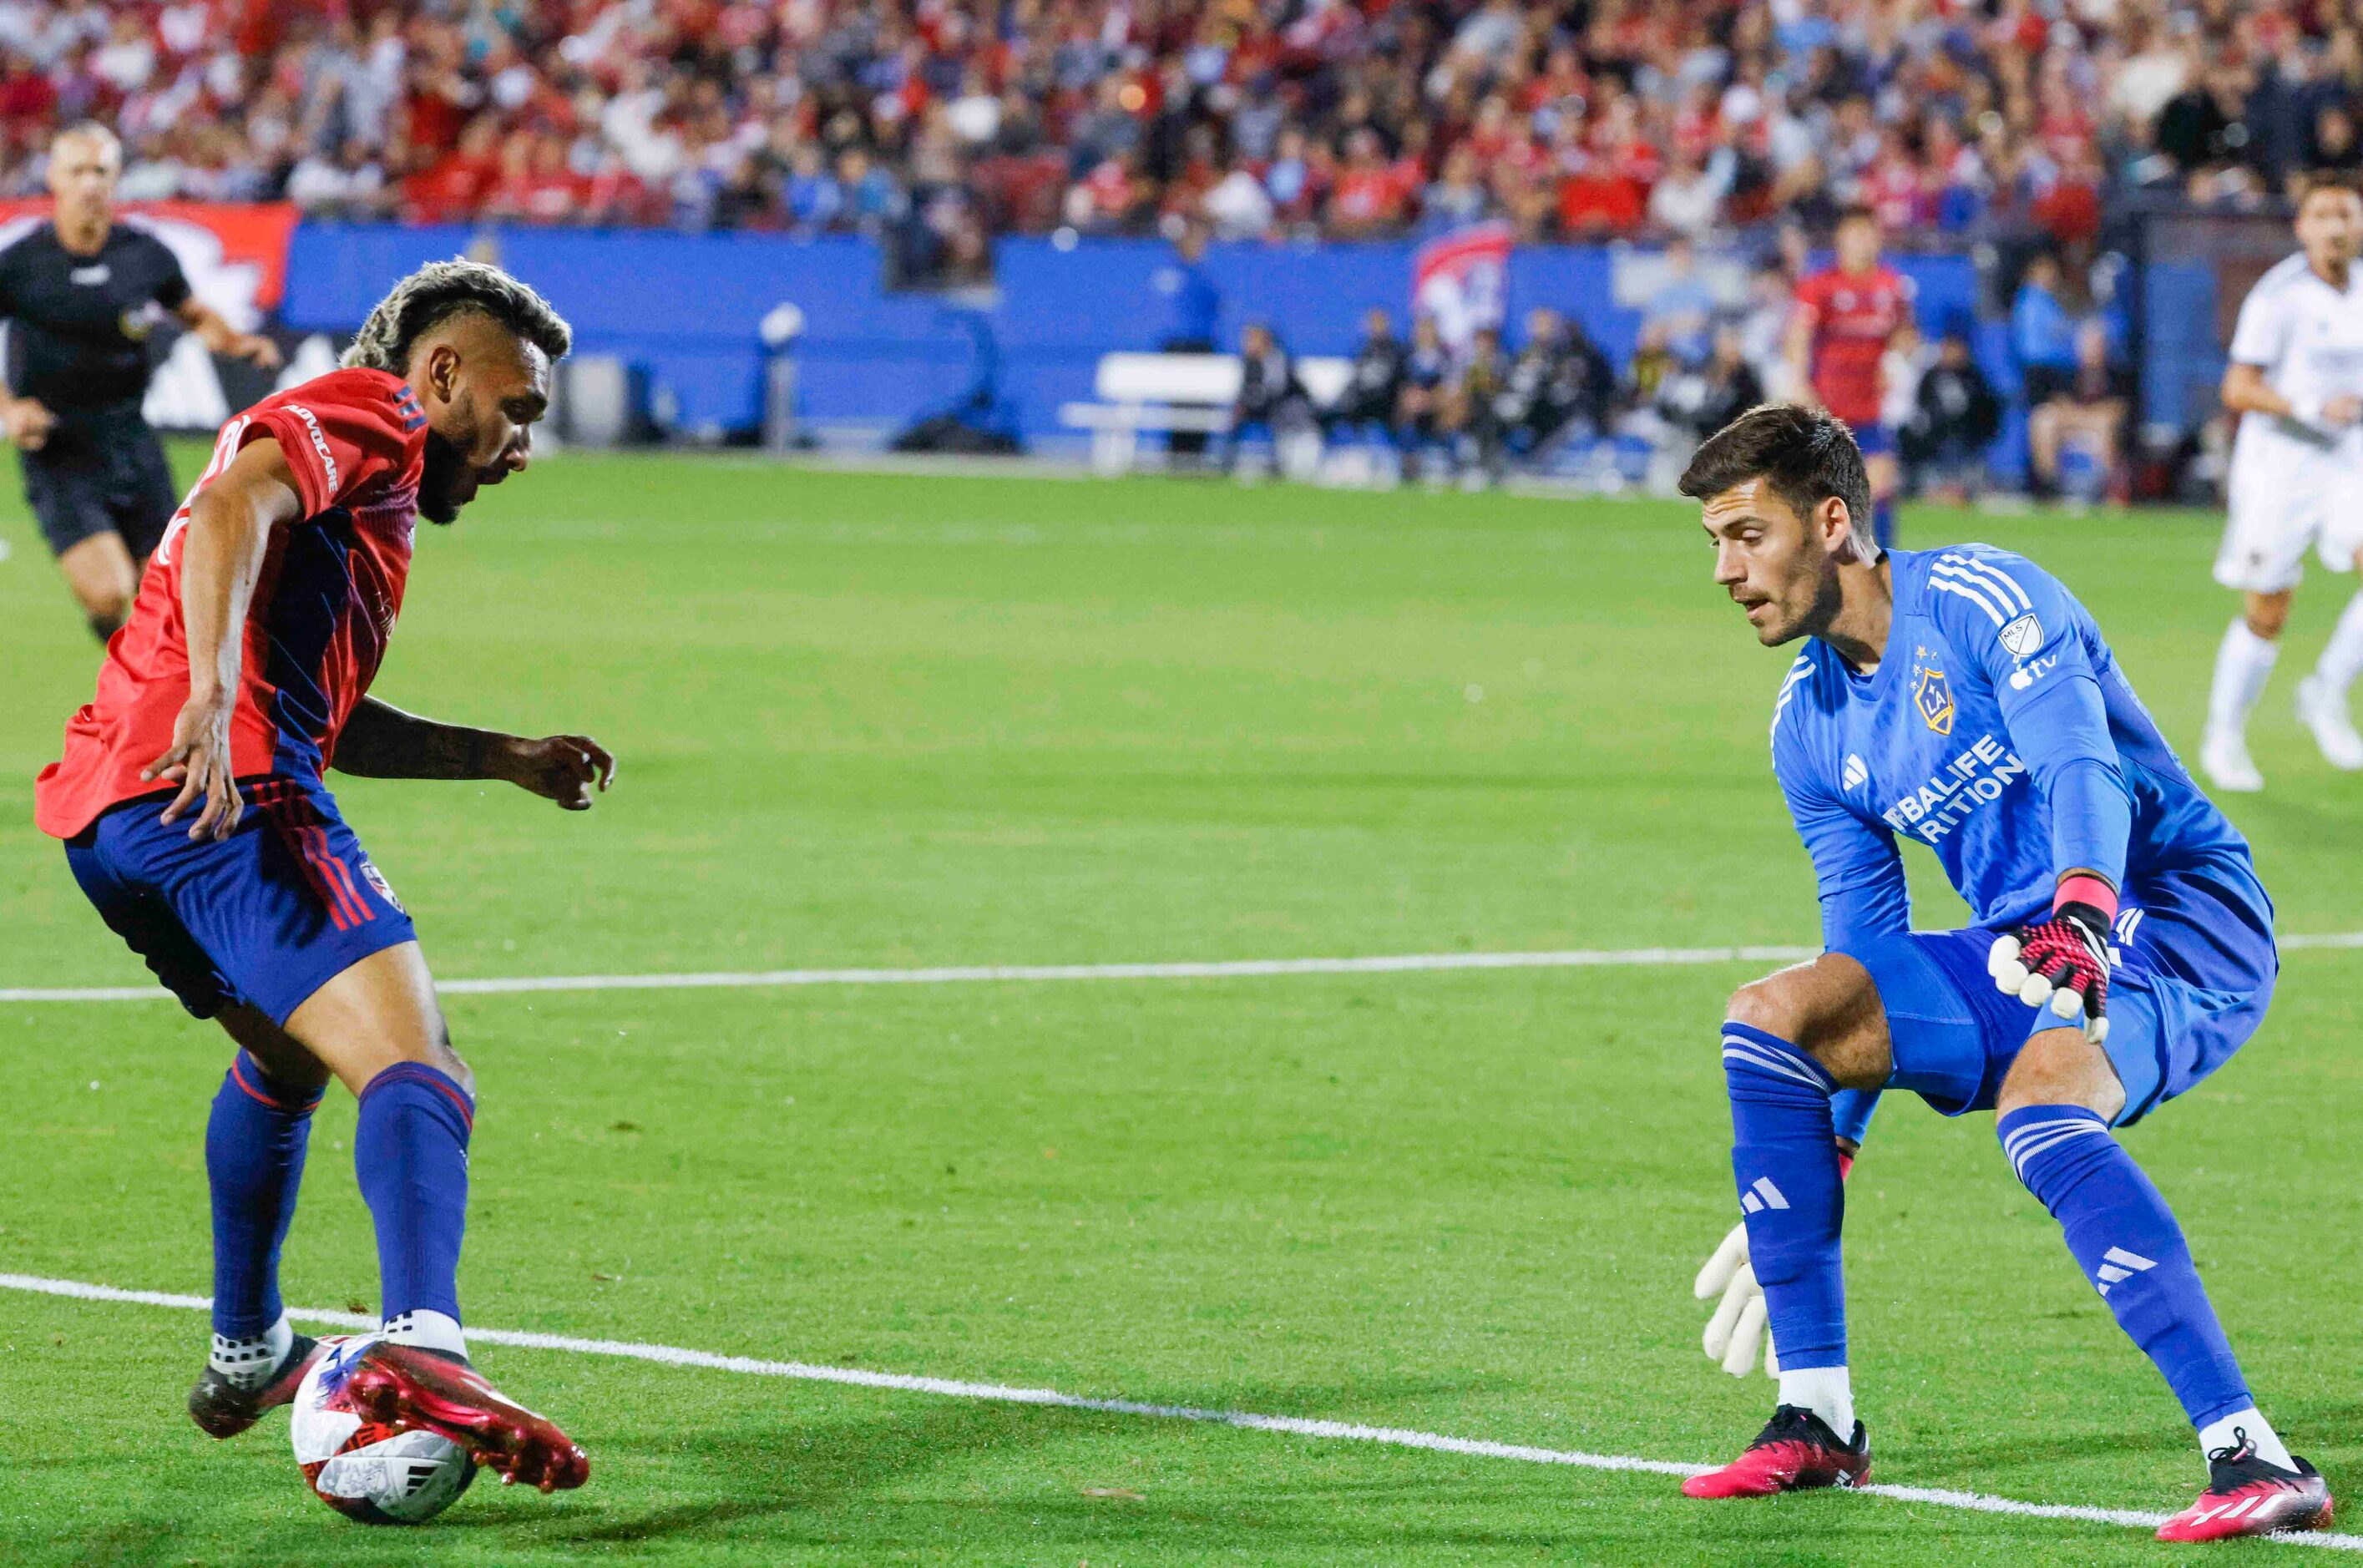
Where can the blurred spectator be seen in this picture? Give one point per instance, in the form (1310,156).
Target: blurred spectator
(1427,386)
(1558,379)
(1375,387)
(1688,199)
(2087,415)
(1238,205)
(814,198)
(1764,326)
(1681,302)
(1955,417)
(349,184)
(2335,149)
(1900,370)
(873,198)
(2042,333)
(1473,412)
(1193,303)
(1704,400)
(1192,299)
(1271,400)
(1654,362)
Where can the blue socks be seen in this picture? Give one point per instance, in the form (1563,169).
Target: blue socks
(255,1141)
(2130,1247)
(1851,1114)
(1882,523)
(410,1152)
(1784,1154)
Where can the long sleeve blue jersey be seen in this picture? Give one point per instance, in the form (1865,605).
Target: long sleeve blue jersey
(1998,731)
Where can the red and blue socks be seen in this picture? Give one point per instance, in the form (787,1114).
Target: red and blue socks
(1784,1156)
(410,1150)
(2129,1246)
(255,1141)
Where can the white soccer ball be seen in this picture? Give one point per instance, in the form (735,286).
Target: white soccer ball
(364,1469)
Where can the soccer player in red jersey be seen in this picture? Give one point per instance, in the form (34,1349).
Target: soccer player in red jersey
(1844,319)
(195,817)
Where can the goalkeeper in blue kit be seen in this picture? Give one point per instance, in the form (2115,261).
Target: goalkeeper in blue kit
(2121,947)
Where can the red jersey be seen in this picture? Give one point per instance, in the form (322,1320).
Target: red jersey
(1853,317)
(315,628)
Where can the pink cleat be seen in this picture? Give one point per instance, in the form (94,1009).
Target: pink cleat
(2247,1496)
(1796,1452)
(403,1386)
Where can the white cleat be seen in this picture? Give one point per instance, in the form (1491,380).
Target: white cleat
(2225,760)
(2324,710)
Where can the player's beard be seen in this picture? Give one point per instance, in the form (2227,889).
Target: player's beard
(442,471)
(1829,598)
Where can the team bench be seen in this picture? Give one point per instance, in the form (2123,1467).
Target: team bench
(1166,393)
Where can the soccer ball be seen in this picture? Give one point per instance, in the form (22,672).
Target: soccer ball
(376,1473)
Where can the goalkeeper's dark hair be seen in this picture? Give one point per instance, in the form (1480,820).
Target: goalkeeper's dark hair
(1803,456)
(441,290)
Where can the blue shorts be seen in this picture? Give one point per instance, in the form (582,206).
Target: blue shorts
(1872,438)
(261,919)
(2195,964)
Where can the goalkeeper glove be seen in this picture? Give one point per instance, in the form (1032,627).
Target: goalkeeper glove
(1739,1321)
(2065,960)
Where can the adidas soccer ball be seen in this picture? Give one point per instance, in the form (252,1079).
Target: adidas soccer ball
(378,1475)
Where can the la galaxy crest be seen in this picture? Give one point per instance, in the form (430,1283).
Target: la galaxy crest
(1934,698)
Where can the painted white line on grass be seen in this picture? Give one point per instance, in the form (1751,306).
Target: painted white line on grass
(964,975)
(1236,969)
(2325,939)
(1006,1394)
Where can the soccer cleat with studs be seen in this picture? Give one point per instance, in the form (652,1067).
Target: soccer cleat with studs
(410,1387)
(223,1407)
(2249,1496)
(1796,1452)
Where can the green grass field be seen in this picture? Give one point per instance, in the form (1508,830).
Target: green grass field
(908,721)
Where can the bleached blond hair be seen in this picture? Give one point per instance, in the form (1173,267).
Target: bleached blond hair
(439,291)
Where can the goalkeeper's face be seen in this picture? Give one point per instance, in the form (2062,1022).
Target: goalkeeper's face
(1777,567)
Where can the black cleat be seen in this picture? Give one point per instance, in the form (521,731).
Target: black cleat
(222,1409)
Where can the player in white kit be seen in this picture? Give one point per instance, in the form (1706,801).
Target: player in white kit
(2296,379)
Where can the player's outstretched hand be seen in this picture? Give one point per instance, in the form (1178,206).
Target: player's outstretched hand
(2343,410)
(259,351)
(563,768)
(28,423)
(199,761)
(2063,960)
(1739,1324)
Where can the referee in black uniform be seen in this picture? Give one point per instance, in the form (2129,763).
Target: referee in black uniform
(82,292)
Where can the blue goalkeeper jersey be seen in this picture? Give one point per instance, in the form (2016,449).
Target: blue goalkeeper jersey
(1998,731)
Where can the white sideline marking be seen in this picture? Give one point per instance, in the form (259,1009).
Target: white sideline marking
(1005,1393)
(1232,969)
(1236,969)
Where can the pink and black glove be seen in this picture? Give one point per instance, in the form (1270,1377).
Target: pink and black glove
(2063,960)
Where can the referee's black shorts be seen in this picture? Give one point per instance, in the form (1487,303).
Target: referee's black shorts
(101,470)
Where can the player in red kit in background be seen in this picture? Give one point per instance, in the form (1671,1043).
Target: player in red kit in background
(1844,319)
(194,815)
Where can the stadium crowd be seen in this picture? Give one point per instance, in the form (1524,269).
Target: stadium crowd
(1341,117)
